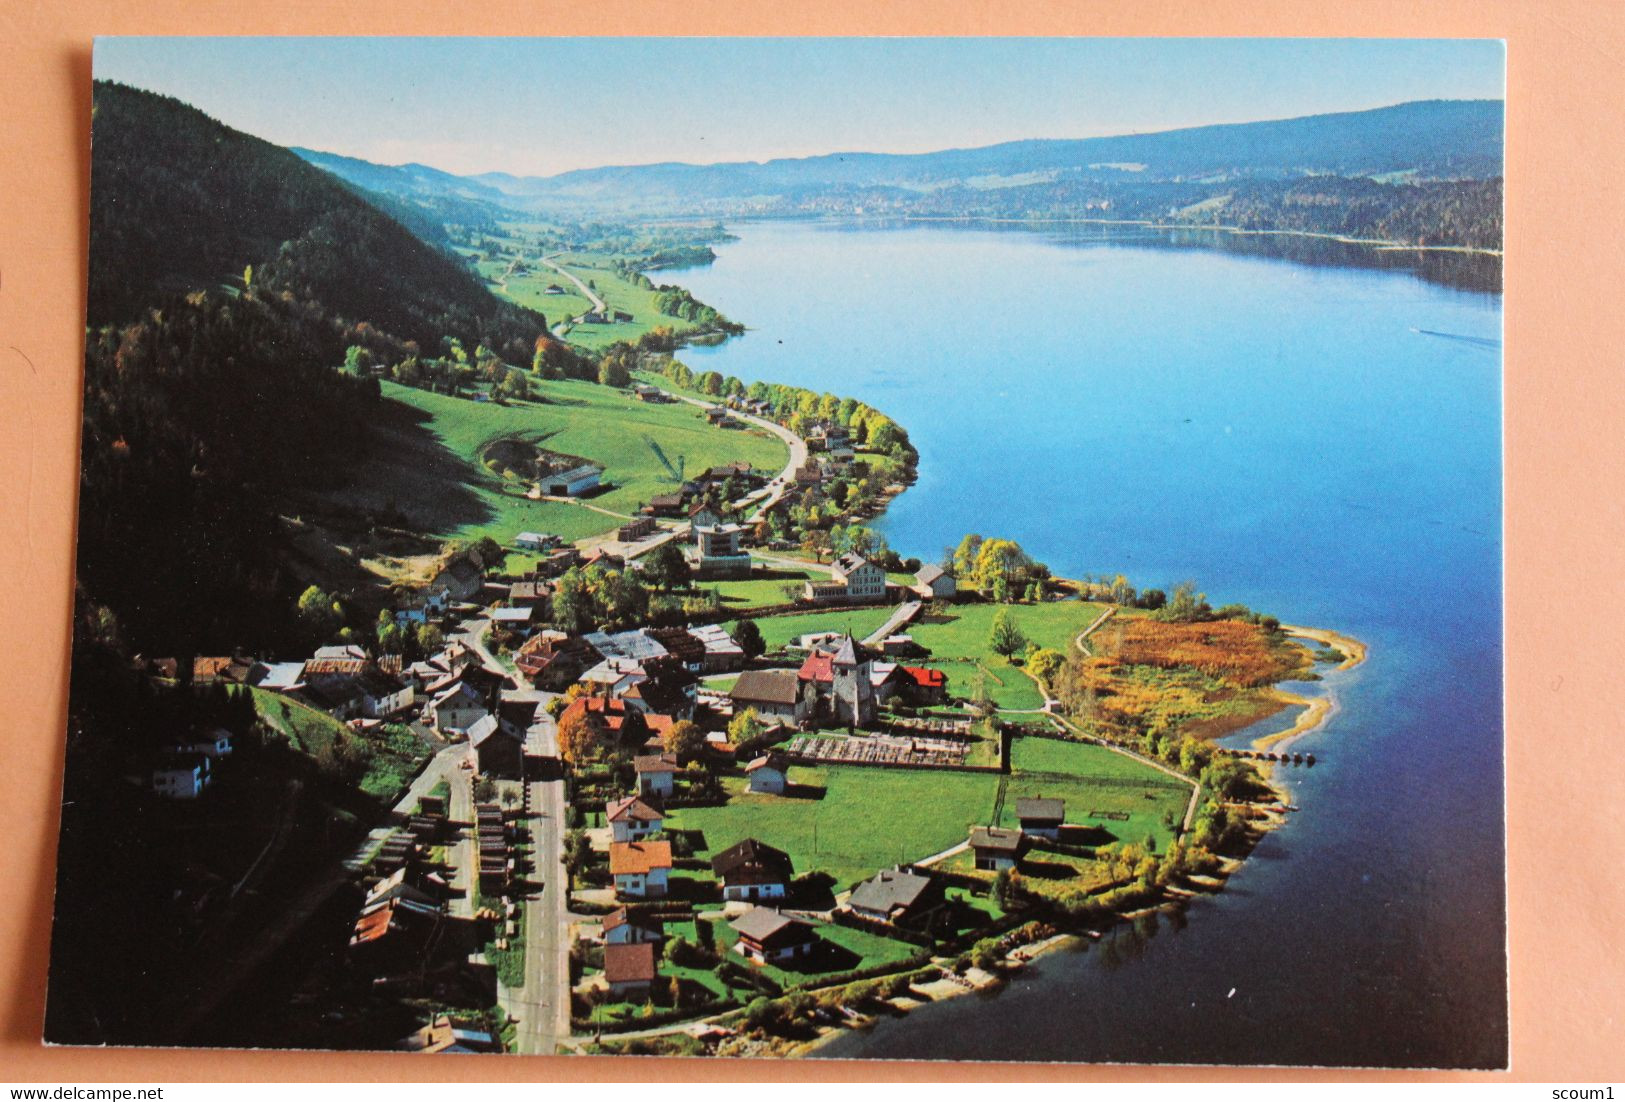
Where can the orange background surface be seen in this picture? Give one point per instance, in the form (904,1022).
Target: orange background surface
(1565,491)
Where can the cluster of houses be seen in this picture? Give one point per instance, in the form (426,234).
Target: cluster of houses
(709,485)
(995,849)
(841,683)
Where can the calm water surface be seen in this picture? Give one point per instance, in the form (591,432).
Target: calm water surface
(1280,433)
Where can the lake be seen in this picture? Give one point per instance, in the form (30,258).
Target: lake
(1316,439)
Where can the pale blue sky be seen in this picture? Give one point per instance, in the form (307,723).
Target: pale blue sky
(540,106)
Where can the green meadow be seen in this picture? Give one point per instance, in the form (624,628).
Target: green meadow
(780,630)
(436,478)
(958,642)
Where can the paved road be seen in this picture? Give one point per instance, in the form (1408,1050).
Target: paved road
(597,303)
(469,632)
(786,478)
(541,1008)
(905,612)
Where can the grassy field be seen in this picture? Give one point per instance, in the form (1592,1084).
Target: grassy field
(958,641)
(764,587)
(396,754)
(848,821)
(595,269)
(779,630)
(435,478)
(1097,785)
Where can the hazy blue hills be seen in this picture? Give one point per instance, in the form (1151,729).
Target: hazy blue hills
(1436,139)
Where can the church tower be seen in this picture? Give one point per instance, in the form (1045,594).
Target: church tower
(852,693)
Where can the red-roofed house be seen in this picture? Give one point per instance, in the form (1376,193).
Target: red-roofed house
(640,869)
(925,686)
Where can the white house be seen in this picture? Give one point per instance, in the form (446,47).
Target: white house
(854,580)
(535,541)
(640,869)
(655,773)
(457,708)
(383,694)
(632,820)
(775,694)
(933,583)
(213,744)
(181,778)
(623,928)
(769,937)
(768,774)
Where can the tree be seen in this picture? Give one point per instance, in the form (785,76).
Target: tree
(572,603)
(749,638)
(577,852)
(1006,886)
(430,638)
(964,556)
(1045,663)
(667,567)
(1005,636)
(999,560)
(746,729)
(578,738)
(318,612)
(685,739)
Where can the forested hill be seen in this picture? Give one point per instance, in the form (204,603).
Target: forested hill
(180,202)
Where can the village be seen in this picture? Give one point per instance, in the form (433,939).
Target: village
(658,829)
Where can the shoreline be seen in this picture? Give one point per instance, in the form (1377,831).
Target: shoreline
(1317,709)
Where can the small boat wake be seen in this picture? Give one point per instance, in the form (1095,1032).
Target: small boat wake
(1481,342)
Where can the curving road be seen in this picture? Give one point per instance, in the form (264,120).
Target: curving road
(786,478)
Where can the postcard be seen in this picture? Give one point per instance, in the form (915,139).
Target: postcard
(976,549)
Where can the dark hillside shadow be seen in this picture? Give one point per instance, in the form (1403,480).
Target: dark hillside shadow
(409,479)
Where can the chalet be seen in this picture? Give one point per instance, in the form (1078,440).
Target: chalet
(1041,817)
(681,647)
(888,681)
(768,937)
(396,922)
(499,752)
(632,820)
(629,970)
(636,530)
(282,677)
(231,670)
(655,773)
(553,660)
(809,473)
(716,415)
(924,687)
(640,869)
(535,541)
(422,606)
(776,694)
(665,505)
(458,707)
(647,393)
(768,773)
(932,583)
(517,619)
(622,927)
(611,717)
(753,870)
(443,1036)
(571,483)
(997,848)
(382,694)
(557,561)
(181,777)
(853,581)
(461,579)
(722,654)
(530,594)
(213,744)
(701,515)
(896,895)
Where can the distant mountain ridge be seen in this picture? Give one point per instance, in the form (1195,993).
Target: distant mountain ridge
(1427,139)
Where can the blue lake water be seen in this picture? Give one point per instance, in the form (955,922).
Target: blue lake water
(1279,432)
